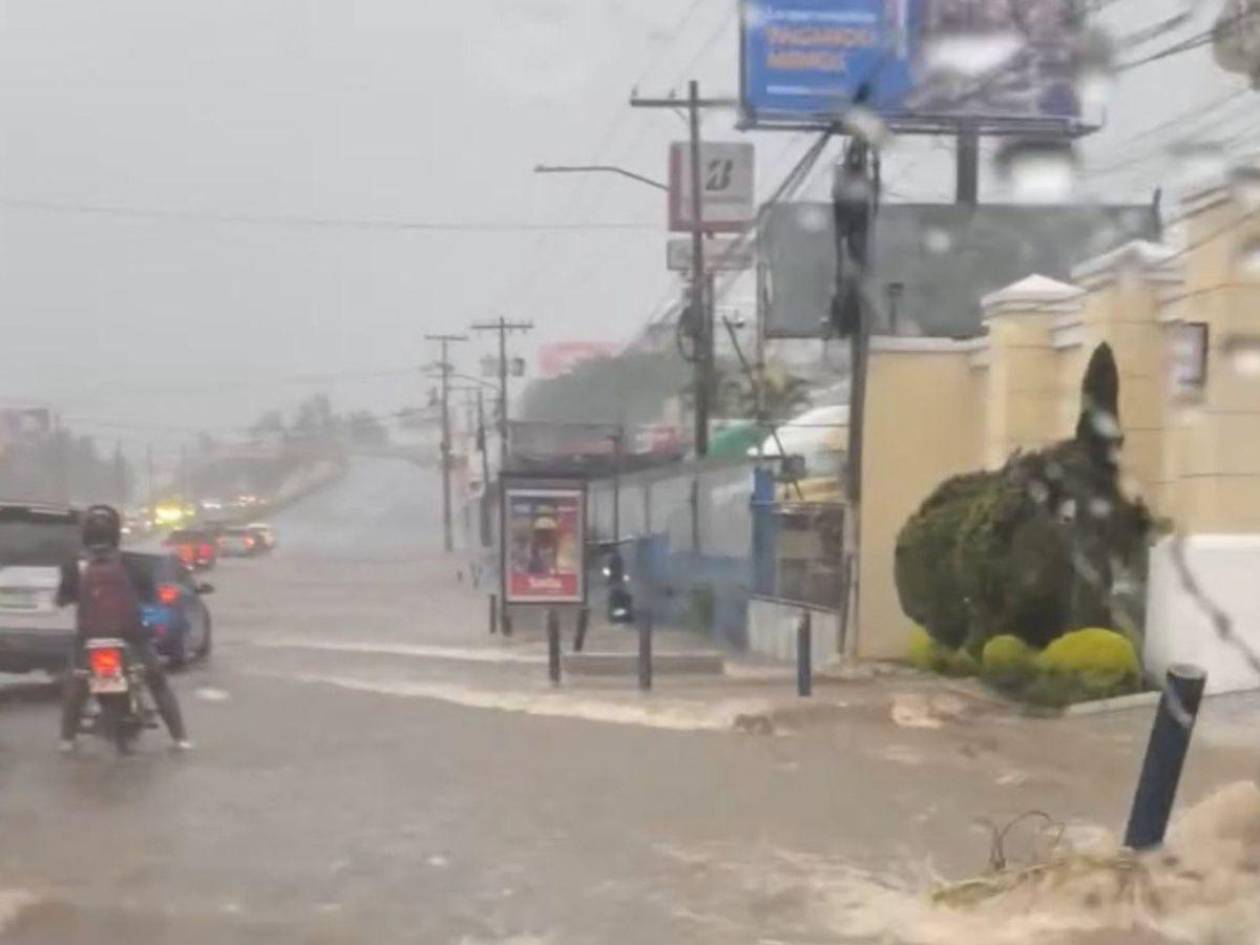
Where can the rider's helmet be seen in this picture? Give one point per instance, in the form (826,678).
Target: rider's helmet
(102,527)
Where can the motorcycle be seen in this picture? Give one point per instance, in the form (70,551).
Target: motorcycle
(117,685)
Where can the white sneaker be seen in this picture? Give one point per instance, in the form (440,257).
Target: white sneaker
(65,746)
(183,745)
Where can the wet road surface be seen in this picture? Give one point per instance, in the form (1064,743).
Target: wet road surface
(314,813)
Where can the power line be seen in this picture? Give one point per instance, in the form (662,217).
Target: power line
(312,222)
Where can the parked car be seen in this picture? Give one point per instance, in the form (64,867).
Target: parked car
(195,547)
(265,534)
(178,617)
(239,543)
(35,540)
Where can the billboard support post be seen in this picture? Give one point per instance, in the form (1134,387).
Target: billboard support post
(967,191)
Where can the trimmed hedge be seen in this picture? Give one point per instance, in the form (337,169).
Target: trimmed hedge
(1033,549)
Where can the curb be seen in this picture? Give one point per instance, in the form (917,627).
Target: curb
(627,664)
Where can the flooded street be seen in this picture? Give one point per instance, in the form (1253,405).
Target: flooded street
(312,812)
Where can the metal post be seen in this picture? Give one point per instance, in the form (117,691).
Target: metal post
(804,655)
(699,297)
(1165,756)
(583,622)
(494,613)
(617,439)
(967,189)
(553,645)
(645,652)
(505,620)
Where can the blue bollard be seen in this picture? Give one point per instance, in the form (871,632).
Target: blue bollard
(1165,756)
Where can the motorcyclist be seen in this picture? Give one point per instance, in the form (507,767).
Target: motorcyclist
(102,535)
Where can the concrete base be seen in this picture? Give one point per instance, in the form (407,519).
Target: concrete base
(627,664)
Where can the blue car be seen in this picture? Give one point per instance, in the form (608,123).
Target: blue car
(178,618)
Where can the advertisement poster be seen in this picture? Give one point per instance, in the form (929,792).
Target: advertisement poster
(914,60)
(544,543)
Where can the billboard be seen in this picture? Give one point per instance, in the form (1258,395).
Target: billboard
(544,546)
(562,357)
(930,264)
(727,179)
(921,63)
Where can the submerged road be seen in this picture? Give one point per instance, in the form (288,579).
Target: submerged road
(312,812)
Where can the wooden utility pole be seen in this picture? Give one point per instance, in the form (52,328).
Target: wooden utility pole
(445,367)
(504,328)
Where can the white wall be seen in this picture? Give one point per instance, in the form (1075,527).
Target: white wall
(1179,629)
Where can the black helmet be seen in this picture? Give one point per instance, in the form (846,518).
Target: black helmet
(102,526)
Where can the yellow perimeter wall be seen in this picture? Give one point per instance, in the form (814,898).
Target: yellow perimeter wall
(937,407)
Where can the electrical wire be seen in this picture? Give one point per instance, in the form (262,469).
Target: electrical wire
(311,222)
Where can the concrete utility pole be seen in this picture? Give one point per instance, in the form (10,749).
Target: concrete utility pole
(445,367)
(504,328)
(701,296)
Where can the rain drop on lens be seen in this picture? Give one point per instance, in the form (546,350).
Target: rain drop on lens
(812,218)
(1100,508)
(1039,492)
(973,53)
(867,125)
(1199,163)
(1039,170)
(1105,424)
(1242,352)
(937,241)
(1247,262)
(1244,185)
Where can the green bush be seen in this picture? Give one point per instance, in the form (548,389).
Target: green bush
(1026,549)
(1008,661)
(1102,662)
(927,582)
(928,655)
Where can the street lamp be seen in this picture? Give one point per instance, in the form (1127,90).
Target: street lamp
(598,169)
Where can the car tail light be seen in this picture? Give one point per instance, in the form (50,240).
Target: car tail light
(105,661)
(249,542)
(168,594)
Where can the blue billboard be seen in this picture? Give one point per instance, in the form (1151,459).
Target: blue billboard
(928,63)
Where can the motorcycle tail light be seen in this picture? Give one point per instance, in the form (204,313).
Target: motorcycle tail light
(168,594)
(105,662)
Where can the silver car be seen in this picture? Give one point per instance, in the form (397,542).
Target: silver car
(35,541)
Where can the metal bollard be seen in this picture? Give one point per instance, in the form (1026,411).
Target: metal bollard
(583,622)
(645,653)
(1165,756)
(805,655)
(494,614)
(553,646)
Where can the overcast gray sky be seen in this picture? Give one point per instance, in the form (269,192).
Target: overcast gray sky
(373,110)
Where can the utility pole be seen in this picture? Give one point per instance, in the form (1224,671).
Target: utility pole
(445,366)
(701,297)
(485,469)
(504,328)
(856,201)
